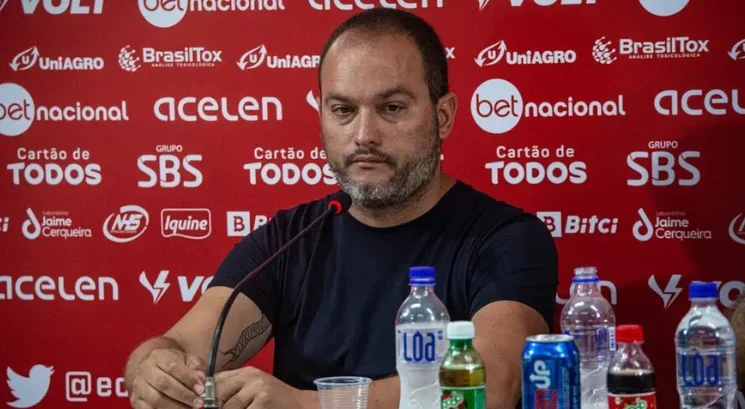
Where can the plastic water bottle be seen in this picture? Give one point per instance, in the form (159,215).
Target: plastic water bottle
(590,319)
(421,342)
(705,353)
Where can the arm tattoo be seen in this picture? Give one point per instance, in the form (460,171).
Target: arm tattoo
(248,334)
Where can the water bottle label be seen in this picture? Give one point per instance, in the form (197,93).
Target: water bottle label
(463,398)
(612,338)
(603,338)
(635,401)
(421,345)
(697,369)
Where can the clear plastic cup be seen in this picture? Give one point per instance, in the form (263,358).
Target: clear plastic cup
(343,392)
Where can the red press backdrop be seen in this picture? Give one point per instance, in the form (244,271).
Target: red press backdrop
(139,140)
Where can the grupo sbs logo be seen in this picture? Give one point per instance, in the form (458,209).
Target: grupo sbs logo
(497,106)
(127,224)
(168,13)
(18,111)
(664,8)
(664,164)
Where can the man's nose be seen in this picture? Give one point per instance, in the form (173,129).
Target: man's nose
(368,129)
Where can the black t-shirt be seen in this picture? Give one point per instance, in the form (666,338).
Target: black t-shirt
(332,298)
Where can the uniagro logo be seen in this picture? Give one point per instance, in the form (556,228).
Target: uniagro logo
(126,225)
(28,58)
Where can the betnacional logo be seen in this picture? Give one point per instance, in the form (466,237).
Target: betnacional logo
(258,56)
(667,226)
(30,58)
(738,50)
(127,224)
(168,13)
(605,52)
(737,229)
(52,225)
(698,102)
(664,164)
(498,52)
(170,167)
(536,165)
(209,109)
(195,224)
(18,111)
(519,3)
(64,287)
(348,5)
(61,6)
(53,167)
(565,225)
(131,60)
(664,8)
(497,106)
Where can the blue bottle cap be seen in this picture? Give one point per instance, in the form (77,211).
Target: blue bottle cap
(585,274)
(702,290)
(422,275)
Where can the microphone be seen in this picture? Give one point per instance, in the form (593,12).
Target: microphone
(339,203)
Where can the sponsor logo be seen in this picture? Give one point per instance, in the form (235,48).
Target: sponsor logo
(278,171)
(347,5)
(715,102)
(610,290)
(533,165)
(46,288)
(18,111)
(168,168)
(729,291)
(127,224)
(670,48)
(29,390)
(518,3)
(558,226)
(256,57)
(239,223)
(664,8)
(497,106)
(498,51)
(4,222)
(665,164)
(195,224)
(311,100)
(51,167)
(63,6)
(738,50)
(168,13)
(79,386)
(737,229)
(188,286)
(667,226)
(27,59)
(53,225)
(2,4)
(192,109)
(188,57)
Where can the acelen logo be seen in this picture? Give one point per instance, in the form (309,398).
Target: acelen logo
(574,224)
(497,52)
(497,107)
(729,291)
(168,13)
(169,168)
(18,111)
(28,59)
(63,6)
(127,224)
(208,109)
(188,286)
(195,224)
(665,164)
(347,5)
(46,288)
(518,3)
(737,229)
(715,102)
(664,8)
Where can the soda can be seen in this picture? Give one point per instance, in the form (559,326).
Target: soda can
(550,373)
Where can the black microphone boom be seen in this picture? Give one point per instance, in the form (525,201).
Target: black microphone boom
(338,203)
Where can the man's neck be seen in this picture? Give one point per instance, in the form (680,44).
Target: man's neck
(408,211)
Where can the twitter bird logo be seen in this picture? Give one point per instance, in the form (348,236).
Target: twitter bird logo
(29,391)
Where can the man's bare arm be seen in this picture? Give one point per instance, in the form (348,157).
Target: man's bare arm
(501,329)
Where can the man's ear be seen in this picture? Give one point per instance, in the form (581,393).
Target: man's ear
(446,108)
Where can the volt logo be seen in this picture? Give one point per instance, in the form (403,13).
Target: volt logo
(188,286)
(158,288)
(671,292)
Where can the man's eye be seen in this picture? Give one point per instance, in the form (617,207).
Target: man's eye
(393,108)
(342,110)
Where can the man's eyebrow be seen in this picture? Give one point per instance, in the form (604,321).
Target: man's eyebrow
(400,89)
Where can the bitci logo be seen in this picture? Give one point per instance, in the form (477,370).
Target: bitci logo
(195,224)
(239,223)
(127,224)
(576,224)
(737,229)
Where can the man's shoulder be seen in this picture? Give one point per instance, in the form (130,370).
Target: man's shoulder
(301,214)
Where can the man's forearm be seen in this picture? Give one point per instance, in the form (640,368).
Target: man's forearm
(142,351)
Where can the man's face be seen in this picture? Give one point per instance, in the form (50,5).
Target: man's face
(378,124)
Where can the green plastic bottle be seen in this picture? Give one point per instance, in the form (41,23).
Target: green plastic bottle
(462,374)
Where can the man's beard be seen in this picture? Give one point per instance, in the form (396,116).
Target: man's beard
(408,180)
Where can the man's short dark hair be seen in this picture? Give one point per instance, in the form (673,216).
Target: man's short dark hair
(378,21)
